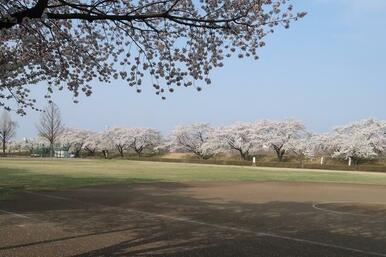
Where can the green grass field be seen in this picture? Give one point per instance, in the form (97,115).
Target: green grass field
(36,174)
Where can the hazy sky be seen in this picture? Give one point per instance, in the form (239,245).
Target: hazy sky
(326,70)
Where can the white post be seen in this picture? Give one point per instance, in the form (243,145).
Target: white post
(254,161)
(349,161)
(322,161)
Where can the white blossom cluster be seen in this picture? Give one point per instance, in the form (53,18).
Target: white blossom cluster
(365,139)
(119,139)
(194,138)
(135,139)
(171,43)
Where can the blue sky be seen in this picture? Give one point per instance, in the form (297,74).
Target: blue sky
(326,70)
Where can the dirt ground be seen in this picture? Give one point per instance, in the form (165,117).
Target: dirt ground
(197,220)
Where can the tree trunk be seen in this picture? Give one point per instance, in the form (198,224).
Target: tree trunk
(279,152)
(77,153)
(51,149)
(4,146)
(244,155)
(120,150)
(90,152)
(105,153)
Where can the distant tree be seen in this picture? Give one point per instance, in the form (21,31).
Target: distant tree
(240,137)
(194,138)
(320,144)
(277,134)
(302,147)
(137,139)
(119,138)
(74,139)
(365,139)
(90,145)
(7,130)
(51,126)
(69,43)
(97,142)
(142,139)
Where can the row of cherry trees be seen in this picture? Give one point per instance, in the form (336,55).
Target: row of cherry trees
(120,140)
(365,139)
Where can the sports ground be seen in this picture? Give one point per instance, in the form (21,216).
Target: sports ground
(128,208)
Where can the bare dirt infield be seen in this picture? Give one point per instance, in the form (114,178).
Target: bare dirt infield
(197,219)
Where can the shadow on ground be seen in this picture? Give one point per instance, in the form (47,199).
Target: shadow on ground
(161,219)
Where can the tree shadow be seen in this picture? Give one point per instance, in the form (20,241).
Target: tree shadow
(159,220)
